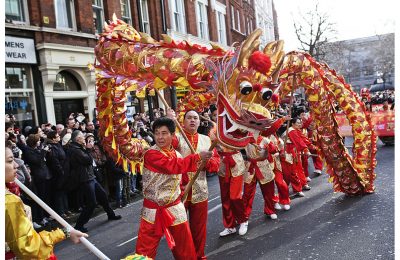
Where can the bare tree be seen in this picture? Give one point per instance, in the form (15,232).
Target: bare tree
(384,53)
(313,30)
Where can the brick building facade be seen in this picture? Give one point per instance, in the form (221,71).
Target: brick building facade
(49,44)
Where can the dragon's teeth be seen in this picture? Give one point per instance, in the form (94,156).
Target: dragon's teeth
(233,128)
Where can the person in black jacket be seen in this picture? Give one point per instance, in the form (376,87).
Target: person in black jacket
(120,178)
(81,167)
(56,161)
(35,157)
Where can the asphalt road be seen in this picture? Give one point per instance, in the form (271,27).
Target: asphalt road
(322,225)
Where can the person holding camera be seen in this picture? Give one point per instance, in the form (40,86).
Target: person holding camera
(82,164)
(35,156)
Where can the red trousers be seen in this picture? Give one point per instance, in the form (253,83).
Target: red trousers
(293,174)
(317,163)
(232,202)
(283,189)
(267,190)
(304,162)
(148,241)
(198,213)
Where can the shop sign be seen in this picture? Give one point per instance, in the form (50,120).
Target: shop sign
(20,50)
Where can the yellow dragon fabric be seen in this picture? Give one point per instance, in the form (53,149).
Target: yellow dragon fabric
(243,93)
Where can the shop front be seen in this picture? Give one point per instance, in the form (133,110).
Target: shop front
(20,59)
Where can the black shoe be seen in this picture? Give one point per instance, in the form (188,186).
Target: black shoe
(115,217)
(82,229)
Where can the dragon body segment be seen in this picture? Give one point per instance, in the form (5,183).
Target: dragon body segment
(241,83)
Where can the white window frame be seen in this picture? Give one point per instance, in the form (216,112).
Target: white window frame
(238,20)
(202,19)
(220,13)
(177,7)
(73,19)
(127,19)
(24,12)
(101,18)
(233,17)
(144,9)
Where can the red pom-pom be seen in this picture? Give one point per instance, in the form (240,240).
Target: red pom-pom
(257,87)
(260,62)
(275,98)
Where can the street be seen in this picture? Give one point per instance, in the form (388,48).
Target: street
(322,225)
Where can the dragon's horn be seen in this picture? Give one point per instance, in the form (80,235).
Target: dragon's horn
(166,38)
(251,44)
(114,18)
(145,38)
(275,52)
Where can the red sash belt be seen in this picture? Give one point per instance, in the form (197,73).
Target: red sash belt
(229,163)
(163,220)
(253,168)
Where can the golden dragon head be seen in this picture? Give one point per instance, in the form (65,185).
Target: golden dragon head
(245,85)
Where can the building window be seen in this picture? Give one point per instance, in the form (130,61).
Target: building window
(233,17)
(19,98)
(97,6)
(16,77)
(144,11)
(126,12)
(201,13)
(178,15)
(238,20)
(65,81)
(65,14)
(221,28)
(16,11)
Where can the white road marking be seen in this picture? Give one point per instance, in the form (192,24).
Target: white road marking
(213,199)
(214,209)
(127,241)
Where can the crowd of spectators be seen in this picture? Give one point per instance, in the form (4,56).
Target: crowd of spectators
(380,100)
(50,157)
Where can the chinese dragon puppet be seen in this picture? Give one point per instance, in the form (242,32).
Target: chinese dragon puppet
(245,84)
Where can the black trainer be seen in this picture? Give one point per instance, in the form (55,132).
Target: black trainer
(115,217)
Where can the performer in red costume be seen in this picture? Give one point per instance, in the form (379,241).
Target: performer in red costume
(314,137)
(274,147)
(291,162)
(306,120)
(230,176)
(197,201)
(163,212)
(259,170)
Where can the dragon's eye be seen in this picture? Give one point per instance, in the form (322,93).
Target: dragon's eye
(266,94)
(245,87)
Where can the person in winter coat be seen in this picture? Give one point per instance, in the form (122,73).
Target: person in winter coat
(56,162)
(81,163)
(35,157)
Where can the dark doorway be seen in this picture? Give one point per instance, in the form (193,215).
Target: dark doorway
(64,107)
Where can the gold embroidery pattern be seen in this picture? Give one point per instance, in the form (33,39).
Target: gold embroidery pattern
(178,211)
(161,188)
(199,188)
(238,170)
